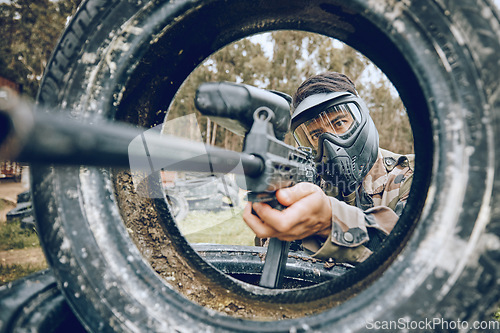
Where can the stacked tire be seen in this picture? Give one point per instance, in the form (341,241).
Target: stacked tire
(125,60)
(22,214)
(35,304)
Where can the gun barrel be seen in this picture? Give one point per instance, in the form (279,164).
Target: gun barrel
(50,138)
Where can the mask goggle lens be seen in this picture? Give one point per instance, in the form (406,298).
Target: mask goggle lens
(339,120)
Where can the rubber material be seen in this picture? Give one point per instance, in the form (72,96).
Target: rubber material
(28,222)
(35,304)
(24,197)
(126,59)
(246,263)
(22,210)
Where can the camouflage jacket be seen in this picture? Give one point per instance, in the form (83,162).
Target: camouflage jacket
(373,211)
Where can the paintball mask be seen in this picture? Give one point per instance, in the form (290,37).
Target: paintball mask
(339,129)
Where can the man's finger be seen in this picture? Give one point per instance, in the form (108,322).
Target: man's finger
(301,208)
(275,218)
(272,223)
(290,195)
(260,229)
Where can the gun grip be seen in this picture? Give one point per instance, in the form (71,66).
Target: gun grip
(277,250)
(268,198)
(275,264)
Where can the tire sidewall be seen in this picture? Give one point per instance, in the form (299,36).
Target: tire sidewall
(452,122)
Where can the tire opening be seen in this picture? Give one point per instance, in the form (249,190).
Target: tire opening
(364,273)
(131,60)
(207,210)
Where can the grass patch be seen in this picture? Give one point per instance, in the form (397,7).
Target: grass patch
(9,273)
(224,227)
(13,237)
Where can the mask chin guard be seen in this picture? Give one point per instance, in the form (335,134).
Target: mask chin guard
(337,167)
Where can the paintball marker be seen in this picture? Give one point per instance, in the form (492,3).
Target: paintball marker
(268,164)
(261,116)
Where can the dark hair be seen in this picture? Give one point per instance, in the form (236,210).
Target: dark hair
(323,83)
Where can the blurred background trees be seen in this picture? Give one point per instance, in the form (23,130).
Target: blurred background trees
(29,31)
(280,60)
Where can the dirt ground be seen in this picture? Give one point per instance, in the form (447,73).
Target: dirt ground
(8,200)
(28,256)
(8,196)
(9,189)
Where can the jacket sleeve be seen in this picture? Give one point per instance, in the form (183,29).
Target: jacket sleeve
(346,242)
(354,231)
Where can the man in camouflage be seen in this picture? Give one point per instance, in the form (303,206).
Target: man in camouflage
(364,188)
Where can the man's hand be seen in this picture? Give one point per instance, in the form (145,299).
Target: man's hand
(308,213)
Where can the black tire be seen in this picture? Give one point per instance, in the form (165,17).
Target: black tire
(28,223)
(21,211)
(246,263)
(125,60)
(35,304)
(24,197)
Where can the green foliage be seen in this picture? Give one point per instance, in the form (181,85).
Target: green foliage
(30,31)
(296,55)
(13,237)
(9,273)
(389,116)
